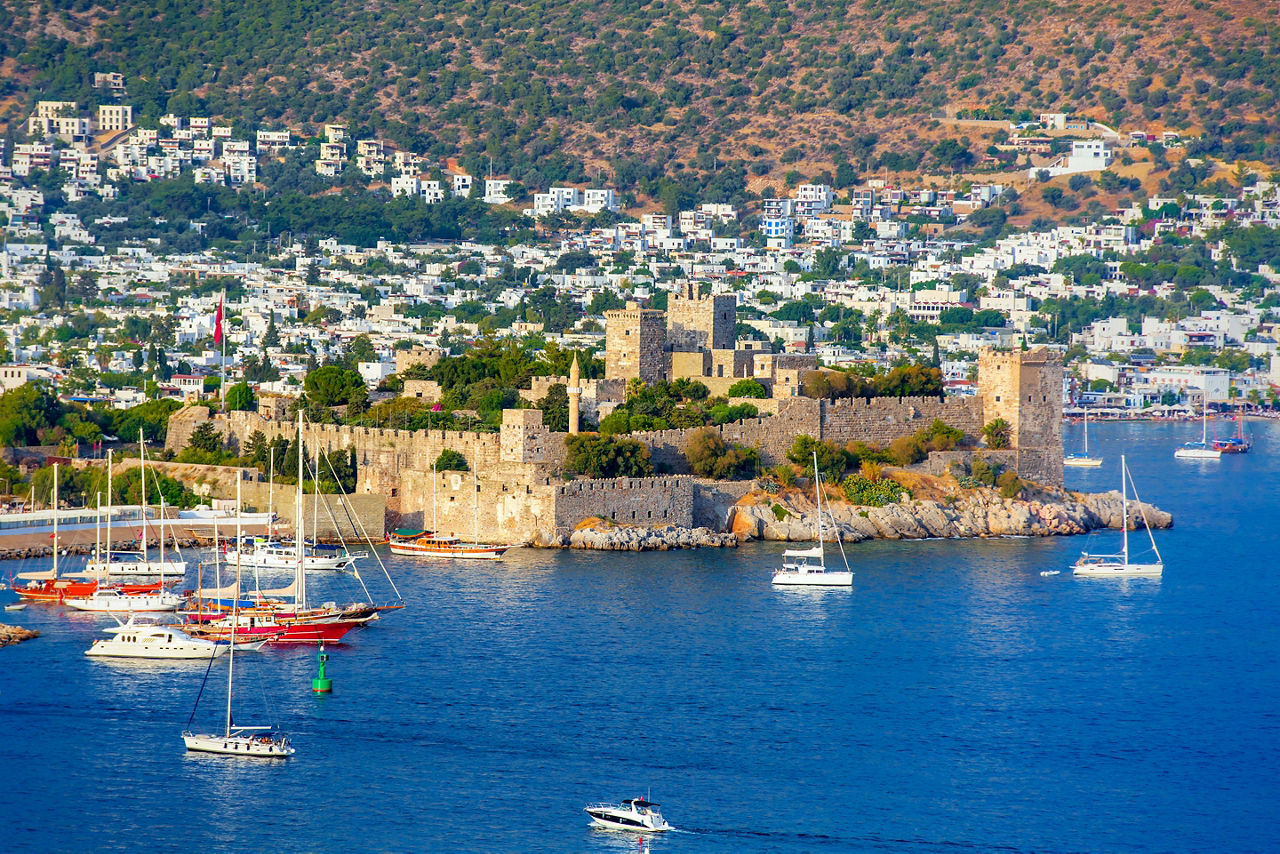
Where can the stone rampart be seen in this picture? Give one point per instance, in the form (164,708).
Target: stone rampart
(649,502)
(882,419)
(330,516)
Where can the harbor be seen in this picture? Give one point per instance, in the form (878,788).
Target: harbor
(954,695)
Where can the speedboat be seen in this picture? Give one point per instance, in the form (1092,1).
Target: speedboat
(633,814)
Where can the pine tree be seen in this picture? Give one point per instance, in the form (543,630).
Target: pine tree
(272,336)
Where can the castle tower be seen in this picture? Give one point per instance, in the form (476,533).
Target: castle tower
(575,395)
(1024,387)
(696,323)
(635,343)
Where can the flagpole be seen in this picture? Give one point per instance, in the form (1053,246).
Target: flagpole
(222,363)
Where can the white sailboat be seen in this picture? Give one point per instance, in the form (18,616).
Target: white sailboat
(272,553)
(134,562)
(260,742)
(1083,460)
(1119,565)
(798,570)
(1201,450)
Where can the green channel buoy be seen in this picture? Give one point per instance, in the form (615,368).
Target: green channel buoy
(322,684)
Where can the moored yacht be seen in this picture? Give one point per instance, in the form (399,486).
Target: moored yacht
(272,553)
(429,544)
(633,814)
(797,568)
(139,639)
(115,601)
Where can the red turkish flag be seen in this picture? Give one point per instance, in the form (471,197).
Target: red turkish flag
(217,322)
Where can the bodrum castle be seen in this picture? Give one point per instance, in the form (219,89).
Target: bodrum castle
(519,490)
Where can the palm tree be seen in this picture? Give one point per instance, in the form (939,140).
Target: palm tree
(997,433)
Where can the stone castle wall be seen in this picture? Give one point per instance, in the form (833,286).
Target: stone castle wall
(648,502)
(521,491)
(882,419)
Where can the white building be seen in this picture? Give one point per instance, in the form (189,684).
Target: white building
(115,117)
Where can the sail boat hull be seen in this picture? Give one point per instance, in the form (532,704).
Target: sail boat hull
(252,746)
(1117,569)
(1082,462)
(814,576)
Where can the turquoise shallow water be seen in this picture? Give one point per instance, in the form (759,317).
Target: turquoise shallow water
(954,699)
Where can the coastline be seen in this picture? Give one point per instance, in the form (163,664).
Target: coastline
(789,516)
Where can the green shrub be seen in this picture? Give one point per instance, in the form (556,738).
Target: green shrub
(451,460)
(748,388)
(709,455)
(780,512)
(984,472)
(907,450)
(1010,484)
(941,436)
(873,493)
(607,456)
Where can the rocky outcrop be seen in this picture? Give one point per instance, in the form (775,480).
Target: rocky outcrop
(15,634)
(965,514)
(605,536)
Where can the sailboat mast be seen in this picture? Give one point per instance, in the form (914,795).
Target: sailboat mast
(1086,432)
(109,514)
(1124,506)
(55,520)
(142,468)
(235,614)
(298,525)
(475,493)
(315,497)
(271,491)
(817,497)
(97,533)
(435,505)
(162,540)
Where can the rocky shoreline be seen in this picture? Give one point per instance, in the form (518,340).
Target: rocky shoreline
(15,634)
(603,535)
(977,513)
(957,514)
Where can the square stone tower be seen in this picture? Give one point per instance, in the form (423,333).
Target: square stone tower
(635,343)
(1024,387)
(696,323)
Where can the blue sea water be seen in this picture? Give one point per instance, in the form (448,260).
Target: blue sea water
(954,699)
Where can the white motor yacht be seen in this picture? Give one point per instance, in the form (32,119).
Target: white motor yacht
(134,564)
(115,601)
(633,814)
(270,553)
(137,639)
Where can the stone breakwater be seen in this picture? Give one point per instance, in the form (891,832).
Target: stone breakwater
(15,634)
(967,514)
